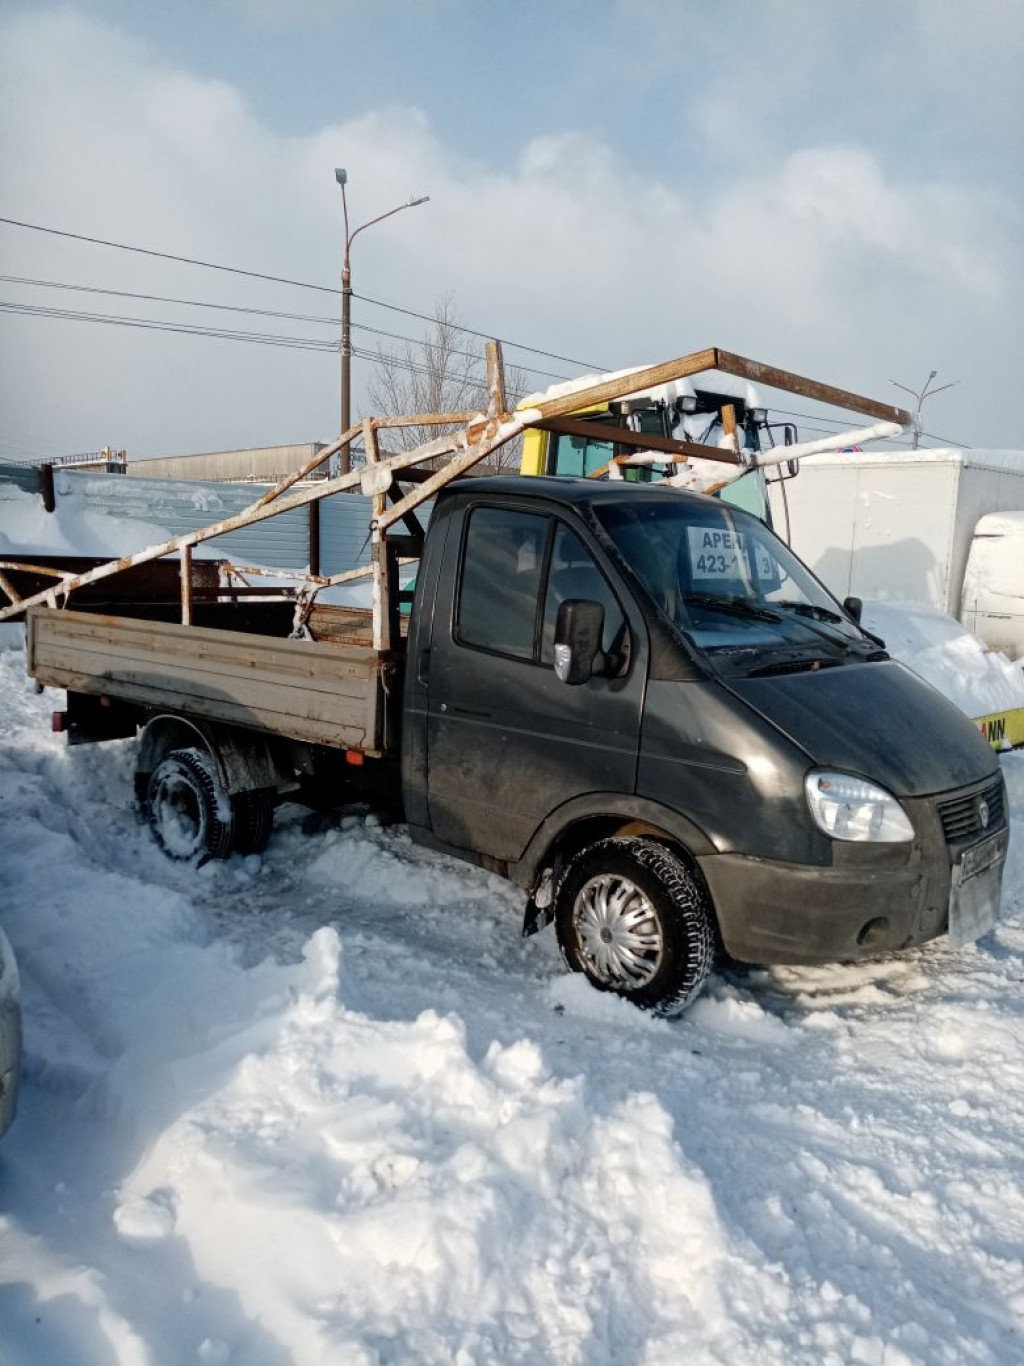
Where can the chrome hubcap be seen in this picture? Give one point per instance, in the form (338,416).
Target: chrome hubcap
(618,931)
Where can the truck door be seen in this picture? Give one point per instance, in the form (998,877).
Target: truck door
(507,742)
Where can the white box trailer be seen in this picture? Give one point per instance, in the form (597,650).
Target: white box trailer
(944,527)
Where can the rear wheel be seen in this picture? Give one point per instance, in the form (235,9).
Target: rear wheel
(254,820)
(188,810)
(632,917)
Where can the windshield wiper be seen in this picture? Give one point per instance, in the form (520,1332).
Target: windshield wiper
(847,643)
(810,664)
(737,607)
(809,609)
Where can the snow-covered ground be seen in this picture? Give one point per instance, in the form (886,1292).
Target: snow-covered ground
(329,1107)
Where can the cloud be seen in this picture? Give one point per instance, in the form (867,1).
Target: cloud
(818,256)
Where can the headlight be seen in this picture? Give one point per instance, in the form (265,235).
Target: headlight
(849,808)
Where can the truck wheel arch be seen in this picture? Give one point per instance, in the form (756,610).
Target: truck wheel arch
(244,763)
(601,815)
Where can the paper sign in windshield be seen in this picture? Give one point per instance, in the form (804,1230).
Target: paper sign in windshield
(718,553)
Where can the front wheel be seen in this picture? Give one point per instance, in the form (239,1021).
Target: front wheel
(632,917)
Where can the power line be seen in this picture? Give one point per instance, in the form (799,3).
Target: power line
(258,312)
(220,334)
(158,325)
(169,256)
(948,441)
(167,299)
(813,417)
(283,280)
(487,336)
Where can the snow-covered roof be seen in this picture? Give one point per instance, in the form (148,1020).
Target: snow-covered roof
(713,380)
(1007,461)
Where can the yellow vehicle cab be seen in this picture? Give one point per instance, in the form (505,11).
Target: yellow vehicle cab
(677,411)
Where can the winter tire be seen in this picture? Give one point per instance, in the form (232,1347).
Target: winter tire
(188,810)
(254,820)
(632,917)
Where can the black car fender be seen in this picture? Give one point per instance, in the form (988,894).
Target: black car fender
(597,815)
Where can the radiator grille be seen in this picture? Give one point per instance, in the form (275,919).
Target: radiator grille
(961,816)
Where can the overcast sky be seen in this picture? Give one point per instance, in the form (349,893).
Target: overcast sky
(833,188)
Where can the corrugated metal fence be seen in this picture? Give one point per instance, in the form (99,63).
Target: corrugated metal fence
(21,476)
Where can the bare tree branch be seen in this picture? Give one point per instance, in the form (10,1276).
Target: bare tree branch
(443,373)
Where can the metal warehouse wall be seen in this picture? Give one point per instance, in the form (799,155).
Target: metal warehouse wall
(186,505)
(269,463)
(22,476)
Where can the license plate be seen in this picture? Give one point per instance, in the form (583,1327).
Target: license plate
(981,856)
(974,896)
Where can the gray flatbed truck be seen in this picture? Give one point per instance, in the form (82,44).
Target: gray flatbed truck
(632,701)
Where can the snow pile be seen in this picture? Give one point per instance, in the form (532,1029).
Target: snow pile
(422,1204)
(27,529)
(941,652)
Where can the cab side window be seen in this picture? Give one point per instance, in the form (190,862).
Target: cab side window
(573,574)
(517,569)
(502,568)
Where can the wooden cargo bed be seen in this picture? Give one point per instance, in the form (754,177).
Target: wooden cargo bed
(326,691)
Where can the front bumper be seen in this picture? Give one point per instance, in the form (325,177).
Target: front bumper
(872,899)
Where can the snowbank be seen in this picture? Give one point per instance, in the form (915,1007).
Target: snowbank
(27,529)
(941,652)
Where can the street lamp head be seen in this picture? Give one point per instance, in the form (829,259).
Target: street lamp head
(340,175)
(411,203)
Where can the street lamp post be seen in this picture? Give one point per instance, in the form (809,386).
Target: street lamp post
(921,394)
(346,302)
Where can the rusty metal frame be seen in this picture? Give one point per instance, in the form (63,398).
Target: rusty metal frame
(473,437)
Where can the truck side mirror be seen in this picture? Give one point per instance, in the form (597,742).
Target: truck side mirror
(854,606)
(578,630)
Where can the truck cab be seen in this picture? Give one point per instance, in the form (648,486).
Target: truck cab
(638,704)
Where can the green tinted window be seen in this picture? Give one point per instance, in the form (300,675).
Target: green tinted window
(750,494)
(580,455)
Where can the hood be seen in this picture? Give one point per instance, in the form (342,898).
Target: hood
(878,720)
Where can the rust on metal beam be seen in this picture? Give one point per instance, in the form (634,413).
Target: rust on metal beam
(424,420)
(498,428)
(606,390)
(186,585)
(495,380)
(378,553)
(475,453)
(623,436)
(9,588)
(241,569)
(46,569)
(348,576)
(729,427)
(307,469)
(758,373)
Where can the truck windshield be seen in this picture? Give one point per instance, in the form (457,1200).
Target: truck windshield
(731,586)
